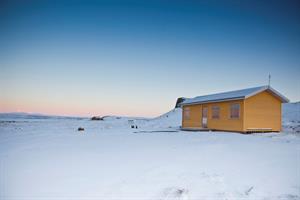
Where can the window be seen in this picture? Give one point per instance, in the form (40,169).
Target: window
(235,111)
(186,113)
(215,112)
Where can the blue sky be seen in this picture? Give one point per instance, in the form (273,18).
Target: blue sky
(137,57)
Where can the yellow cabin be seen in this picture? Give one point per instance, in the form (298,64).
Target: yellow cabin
(249,110)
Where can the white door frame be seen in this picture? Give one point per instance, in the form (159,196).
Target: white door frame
(204,116)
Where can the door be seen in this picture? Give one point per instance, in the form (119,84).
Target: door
(204,117)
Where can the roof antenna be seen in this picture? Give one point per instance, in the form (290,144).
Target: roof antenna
(269,83)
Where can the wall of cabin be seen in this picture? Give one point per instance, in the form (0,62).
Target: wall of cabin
(224,122)
(263,111)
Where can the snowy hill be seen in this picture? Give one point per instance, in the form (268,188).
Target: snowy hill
(291,117)
(291,111)
(171,119)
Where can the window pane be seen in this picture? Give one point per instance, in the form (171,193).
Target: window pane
(186,113)
(235,111)
(215,112)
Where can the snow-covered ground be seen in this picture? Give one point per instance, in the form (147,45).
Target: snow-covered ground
(47,158)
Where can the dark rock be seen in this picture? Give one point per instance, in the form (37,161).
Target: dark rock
(80,129)
(96,118)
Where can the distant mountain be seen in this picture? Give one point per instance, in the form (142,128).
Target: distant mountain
(23,115)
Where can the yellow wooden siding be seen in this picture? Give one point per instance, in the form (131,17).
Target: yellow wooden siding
(195,119)
(223,123)
(263,111)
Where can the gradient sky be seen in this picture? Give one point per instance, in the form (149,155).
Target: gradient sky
(136,57)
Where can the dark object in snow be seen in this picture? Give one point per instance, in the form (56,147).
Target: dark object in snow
(132,126)
(179,101)
(175,193)
(248,191)
(181,191)
(80,129)
(96,118)
(136,127)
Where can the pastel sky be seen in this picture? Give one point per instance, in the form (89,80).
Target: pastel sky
(136,57)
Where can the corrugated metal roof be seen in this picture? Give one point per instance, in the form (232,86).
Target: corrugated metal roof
(233,95)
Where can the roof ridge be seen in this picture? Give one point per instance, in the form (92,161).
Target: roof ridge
(266,86)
